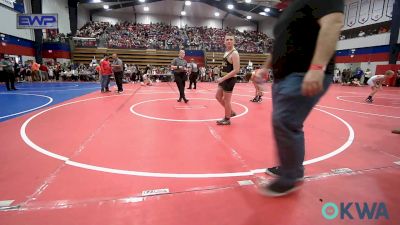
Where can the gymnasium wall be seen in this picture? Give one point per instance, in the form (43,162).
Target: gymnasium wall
(267,26)
(362,42)
(370,51)
(238,23)
(8,18)
(115,16)
(83,16)
(359,13)
(364,58)
(61,8)
(12,45)
(16,46)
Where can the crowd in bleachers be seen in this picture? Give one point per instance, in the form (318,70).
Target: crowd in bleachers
(92,29)
(162,36)
(55,37)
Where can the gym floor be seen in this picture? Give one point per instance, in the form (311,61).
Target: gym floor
(73,155)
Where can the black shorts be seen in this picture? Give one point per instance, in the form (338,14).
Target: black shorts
(228,84)
(180,77)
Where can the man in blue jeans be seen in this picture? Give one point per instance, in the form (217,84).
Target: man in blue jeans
(302,61)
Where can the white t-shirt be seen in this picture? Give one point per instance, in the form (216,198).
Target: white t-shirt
(374,79)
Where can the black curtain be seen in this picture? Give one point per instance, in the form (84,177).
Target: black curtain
(394,33)
(37,9)
(73,15)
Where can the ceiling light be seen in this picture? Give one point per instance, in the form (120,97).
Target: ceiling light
(247,1)
(267,9)
(188,2)
(106,6)
(230,6)
(248,17)
(183,13)
(96,1)
(146,8)
(142,0)
(216,14)
(262,13)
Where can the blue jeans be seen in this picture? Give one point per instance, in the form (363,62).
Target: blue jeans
(290,110)
(105,81)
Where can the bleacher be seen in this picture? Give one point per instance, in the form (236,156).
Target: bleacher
(156,57)
(215,58)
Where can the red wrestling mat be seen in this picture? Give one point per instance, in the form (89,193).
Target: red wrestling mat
(100,158)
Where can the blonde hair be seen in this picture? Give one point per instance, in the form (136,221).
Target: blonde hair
(389,72)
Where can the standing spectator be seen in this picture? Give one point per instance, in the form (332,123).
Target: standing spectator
(57,71)
(44,72)
(28,73)
(7,66)
(16,70)
(193,74)
(106,72)
(35,71)
(118,69)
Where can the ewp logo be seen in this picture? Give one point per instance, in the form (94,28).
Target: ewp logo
(375,211)
(37,21)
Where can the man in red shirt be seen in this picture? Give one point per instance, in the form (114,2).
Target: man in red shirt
(106,72)
(44,72)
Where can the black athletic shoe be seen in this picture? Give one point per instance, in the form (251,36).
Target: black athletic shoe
(185,100)
(259,99)
(224,122)
(179,100)
(274,171)
(279,188)
(277,172)
(254,99)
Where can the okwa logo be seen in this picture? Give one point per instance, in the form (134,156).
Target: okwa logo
(355,210)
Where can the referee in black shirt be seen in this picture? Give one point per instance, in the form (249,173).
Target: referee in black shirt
(179,66)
